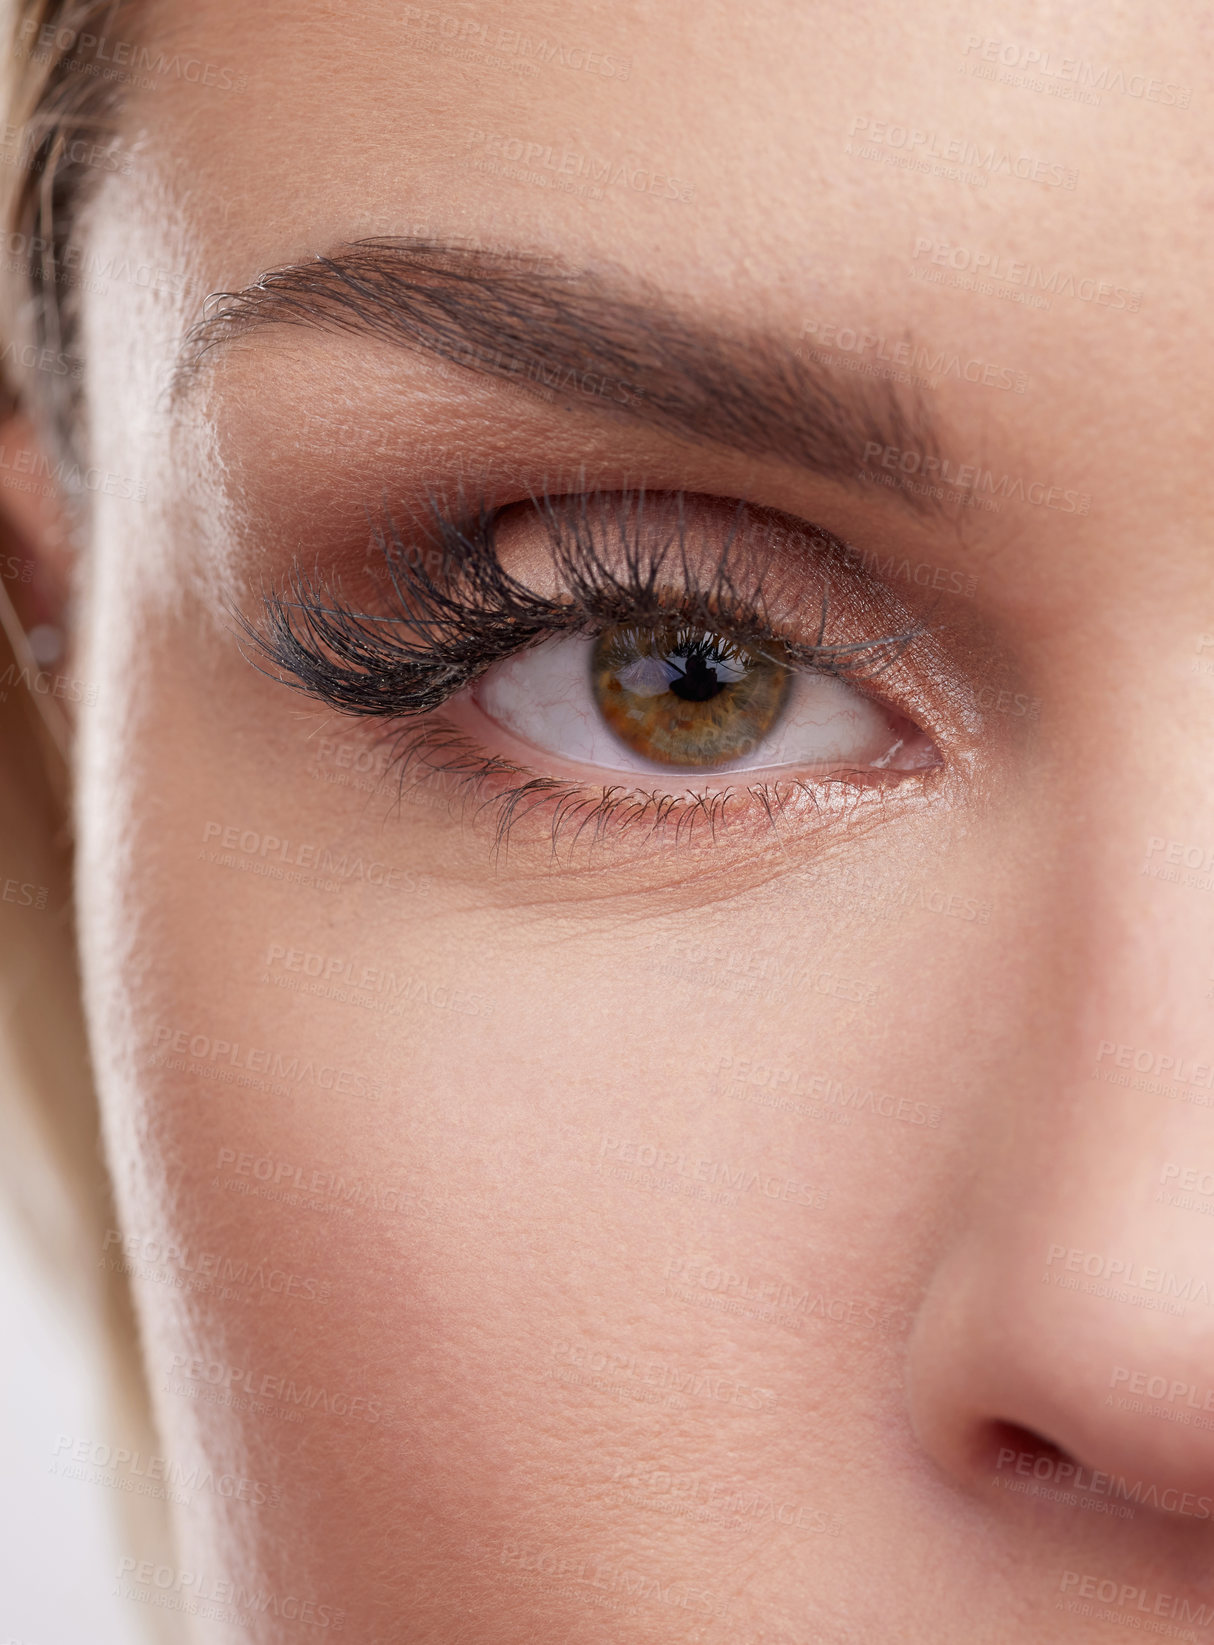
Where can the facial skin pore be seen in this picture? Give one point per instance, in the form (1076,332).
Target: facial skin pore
(656,1239)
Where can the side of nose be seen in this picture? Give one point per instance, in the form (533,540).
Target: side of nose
(1066,1334)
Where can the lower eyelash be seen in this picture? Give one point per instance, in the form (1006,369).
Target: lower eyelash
(504,794)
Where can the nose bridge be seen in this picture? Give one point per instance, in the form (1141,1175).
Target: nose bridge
(1160,972)
(1122,807)
(1142,915)
(1131,889)
(1075,1307)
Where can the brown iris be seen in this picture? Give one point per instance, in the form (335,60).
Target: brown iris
(682,695)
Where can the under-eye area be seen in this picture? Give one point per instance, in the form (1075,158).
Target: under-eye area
(596,660)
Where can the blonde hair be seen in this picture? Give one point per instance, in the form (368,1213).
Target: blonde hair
(56,1174)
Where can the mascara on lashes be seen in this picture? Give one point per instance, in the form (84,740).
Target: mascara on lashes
(438,634)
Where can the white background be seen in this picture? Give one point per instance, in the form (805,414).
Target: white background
(59,1538)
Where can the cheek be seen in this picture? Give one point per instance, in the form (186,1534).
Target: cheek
(456,1196)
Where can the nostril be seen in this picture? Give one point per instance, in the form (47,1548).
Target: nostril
(1008,1450)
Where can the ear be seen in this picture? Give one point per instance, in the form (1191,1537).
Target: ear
(32,507)
(36,556)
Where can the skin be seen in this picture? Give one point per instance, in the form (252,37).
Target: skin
(531,1313)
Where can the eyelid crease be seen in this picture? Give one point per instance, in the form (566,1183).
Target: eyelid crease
(442,634)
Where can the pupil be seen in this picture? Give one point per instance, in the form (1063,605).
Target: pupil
(698,683)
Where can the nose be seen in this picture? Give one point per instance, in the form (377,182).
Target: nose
(1066,1334)
(1085,1367)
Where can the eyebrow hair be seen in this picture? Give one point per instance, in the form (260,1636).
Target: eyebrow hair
(539,322)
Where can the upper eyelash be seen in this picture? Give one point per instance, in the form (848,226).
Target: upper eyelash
(440,635)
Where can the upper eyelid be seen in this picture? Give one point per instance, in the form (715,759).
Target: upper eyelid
(352,659)
(743,620)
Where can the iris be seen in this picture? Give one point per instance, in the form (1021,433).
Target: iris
(685,696)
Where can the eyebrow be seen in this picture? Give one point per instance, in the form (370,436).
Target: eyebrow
(618,345)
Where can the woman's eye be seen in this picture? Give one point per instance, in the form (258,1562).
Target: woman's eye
(676,697)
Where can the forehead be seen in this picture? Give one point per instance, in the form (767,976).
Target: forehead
(1030,204)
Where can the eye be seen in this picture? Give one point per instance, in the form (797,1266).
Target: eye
(589,660)
(675,696)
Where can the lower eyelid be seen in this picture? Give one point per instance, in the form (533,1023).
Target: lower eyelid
(496,788)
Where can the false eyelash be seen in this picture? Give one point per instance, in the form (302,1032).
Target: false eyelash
(441,634)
